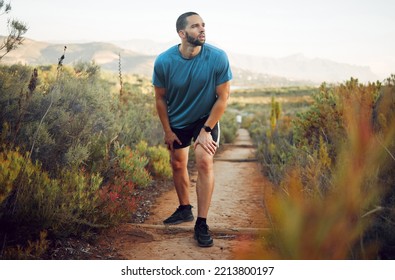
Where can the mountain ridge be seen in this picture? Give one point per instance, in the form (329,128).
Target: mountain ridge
(137,56)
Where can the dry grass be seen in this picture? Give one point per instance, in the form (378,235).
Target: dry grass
(306,99)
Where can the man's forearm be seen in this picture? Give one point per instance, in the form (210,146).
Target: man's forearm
(161,108)
(217,111)
(223,92)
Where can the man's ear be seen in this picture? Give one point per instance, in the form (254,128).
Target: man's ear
(181,33)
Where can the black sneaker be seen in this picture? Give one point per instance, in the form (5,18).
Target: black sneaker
(202,235)
(180,216)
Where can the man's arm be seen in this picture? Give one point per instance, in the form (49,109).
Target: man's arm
(205,139)
(223,91)
(161,108)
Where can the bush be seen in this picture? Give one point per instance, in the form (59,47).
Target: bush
(62,170)
(228,127)
(133,164)
(11,163)
(35,202)
(30,204)
(160,162)
(72,117)
(117,200)
(138,117)
(274,137)
(336,197)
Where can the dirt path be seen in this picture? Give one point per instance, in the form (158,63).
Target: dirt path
(237,214)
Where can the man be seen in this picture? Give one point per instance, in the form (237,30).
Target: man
(192,86)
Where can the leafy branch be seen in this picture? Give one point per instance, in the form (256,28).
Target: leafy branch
(16,30)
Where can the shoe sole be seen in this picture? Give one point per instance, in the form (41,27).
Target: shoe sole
(190,219)
(203,245)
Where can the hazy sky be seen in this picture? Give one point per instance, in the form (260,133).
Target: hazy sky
(360,32)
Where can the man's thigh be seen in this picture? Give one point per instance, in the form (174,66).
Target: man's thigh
(179,157)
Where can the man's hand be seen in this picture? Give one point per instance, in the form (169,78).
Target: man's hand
(205,139)
(170,137)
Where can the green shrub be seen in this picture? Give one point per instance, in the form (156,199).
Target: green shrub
(138,117)
(158,159)
(228,127)
(273,135)
(35,202)
(160,162)
(79,210)
(11,163)
(31,203)
(133,163)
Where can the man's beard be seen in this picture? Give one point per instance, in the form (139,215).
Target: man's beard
(194,41)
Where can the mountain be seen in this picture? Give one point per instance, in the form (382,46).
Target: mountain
(145,46)
(300,67)
(296,67)
(137,56)
(104,54)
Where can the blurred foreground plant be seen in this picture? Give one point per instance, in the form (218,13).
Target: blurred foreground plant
(344,216)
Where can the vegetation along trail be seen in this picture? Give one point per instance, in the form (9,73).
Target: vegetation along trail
(237,215)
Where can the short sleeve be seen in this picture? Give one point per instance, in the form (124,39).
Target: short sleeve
(223,73)
(158,78)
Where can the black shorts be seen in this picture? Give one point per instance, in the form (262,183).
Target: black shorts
(192,132)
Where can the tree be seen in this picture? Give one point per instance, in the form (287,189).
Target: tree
(16,30)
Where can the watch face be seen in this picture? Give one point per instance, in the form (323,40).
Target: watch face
(207,128)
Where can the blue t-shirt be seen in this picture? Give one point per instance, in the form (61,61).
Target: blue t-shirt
(190,83)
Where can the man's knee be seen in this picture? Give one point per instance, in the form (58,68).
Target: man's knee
(179,159)
(178,165)
(204,163)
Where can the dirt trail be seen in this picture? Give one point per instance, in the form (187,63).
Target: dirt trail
(237,214)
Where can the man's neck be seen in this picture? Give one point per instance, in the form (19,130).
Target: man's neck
(189,51)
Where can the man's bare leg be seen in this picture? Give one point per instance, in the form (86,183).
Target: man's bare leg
(204,191)
(205,181)
(179,163)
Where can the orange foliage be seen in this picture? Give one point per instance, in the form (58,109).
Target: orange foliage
(332,225)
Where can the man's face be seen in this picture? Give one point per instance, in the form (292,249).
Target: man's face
(194,40)
(195,31)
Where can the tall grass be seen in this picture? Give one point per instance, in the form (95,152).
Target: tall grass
(336,198)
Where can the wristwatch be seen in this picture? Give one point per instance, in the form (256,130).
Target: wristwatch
(207,128)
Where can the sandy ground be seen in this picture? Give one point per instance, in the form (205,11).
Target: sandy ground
(237,215)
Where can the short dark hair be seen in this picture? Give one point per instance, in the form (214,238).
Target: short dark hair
(182,20)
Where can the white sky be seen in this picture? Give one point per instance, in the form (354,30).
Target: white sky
(360,32)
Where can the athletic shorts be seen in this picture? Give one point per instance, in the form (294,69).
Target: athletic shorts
(191,132)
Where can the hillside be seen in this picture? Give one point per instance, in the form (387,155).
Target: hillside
(104,54)
(300,67)
(137,56)
(296,68)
